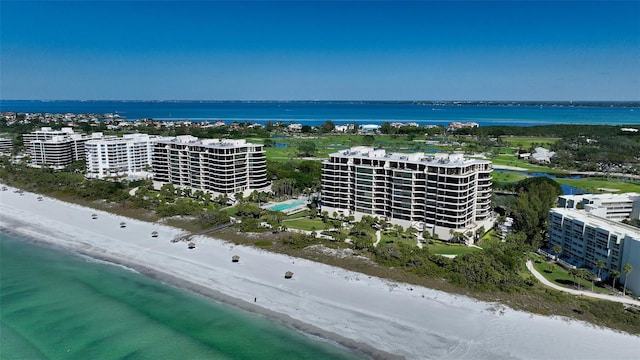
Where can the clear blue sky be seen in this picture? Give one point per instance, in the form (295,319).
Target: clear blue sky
(421,50)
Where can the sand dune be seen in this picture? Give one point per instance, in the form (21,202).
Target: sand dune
(382,318)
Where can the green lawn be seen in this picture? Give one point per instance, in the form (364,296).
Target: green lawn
(527,142)
(387,237)
(512,160)
(442,248)
(593,184)
(506,177)
(559,276)
(305,223)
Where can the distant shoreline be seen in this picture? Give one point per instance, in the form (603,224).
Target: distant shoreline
(594,103)
(485,113)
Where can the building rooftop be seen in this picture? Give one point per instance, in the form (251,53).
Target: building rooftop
(440,159)
(213,143)
(597,221)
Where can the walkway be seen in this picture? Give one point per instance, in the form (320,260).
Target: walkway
(542,279)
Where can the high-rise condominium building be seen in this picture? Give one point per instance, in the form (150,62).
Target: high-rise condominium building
(113,156)
(214,165)
(588,228)
(55,148)
(438,192)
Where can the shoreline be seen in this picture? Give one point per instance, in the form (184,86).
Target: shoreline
(379,318)
(212,294)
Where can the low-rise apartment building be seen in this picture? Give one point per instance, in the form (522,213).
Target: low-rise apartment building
(439,193)
(55,148)
(127,156)
(585,238)
(214,165)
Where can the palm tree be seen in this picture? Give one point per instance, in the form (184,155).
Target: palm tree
(573,272)
(626,269)
(557,250)
(615,274)
(585,275)
(600,265)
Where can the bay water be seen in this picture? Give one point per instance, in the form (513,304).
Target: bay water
(340,112)
(58,305)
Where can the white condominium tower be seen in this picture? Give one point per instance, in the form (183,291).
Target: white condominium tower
(437,192)
(113,156)
(214,165)
(55,148)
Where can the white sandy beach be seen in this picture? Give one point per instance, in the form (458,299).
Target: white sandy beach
(351,308)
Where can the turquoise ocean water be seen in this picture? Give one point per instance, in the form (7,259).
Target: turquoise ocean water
(362,112)
(58,305)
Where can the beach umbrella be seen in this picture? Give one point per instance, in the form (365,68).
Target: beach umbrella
(154,234)
(192,245)
(123,224)
(235,258)
(288,275)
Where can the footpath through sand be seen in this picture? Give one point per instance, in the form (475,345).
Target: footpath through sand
(620,299)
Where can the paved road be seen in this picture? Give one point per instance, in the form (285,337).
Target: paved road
(620,299)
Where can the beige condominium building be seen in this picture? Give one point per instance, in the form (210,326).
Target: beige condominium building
(55,148)
(589,228)
(214,165)
(117,157)
(436,193)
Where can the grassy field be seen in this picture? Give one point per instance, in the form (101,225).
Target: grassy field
(559,276)
(593,184)
(443,248)
(512,160)
(328,144)
(507,177)
(305,223)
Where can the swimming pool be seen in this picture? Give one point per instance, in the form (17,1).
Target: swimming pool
(289,205)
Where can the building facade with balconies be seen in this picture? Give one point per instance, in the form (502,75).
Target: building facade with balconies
(55,148)
(586,238)
(215,165)
(127,156)
(438,193)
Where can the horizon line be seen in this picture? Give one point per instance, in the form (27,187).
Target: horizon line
(332,100)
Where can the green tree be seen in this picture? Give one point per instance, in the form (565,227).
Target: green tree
(368,140)
(386,128)
(600,265)
(615,274)
(327,127)
(306,148)
(268,143)
(626,269)
(531,208)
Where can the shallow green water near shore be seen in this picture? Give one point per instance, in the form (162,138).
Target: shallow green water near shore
(56,305)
